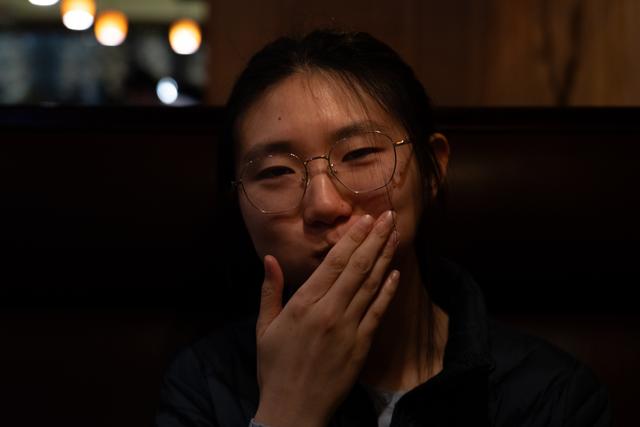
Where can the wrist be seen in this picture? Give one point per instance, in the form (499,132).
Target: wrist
(281,417)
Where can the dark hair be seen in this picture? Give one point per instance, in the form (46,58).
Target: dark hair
(361,62)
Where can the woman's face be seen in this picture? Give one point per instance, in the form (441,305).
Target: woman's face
(307,110)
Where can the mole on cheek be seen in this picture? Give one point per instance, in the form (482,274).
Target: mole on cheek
(279,118)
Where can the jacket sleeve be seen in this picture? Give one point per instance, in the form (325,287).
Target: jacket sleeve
(184,397)
(585,400)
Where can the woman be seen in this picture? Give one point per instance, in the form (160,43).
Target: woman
(337,168)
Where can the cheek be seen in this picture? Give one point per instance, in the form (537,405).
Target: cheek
(408,200)
(270,235)
(256,225)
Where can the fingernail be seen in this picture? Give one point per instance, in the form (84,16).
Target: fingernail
(385,221)
(366,221)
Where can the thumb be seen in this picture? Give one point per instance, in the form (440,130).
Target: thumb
(271,296)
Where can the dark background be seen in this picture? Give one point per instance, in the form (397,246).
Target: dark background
(109,243)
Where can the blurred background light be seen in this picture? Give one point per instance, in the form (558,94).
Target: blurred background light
(167,90)
(43,2)
(111,28)
(78,14)
(185,36)
(43,62)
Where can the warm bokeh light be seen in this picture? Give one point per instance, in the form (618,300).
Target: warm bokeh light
(78,14)
(185,36)
(43,2)
(167,90)
(111,28)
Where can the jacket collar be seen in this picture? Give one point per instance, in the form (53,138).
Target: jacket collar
(458,395)
(456,292)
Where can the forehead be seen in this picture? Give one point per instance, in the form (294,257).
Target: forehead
(307,110)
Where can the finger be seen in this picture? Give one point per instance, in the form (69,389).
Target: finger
(271,295)
(337,259)
(361,263)
(369,288)
(378,308)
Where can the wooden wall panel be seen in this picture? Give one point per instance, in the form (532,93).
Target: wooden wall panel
(610,68)
(237,29)
(466,52)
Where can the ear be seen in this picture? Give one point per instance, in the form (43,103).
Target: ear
(440,146)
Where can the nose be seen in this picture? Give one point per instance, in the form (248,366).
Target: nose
(324,203)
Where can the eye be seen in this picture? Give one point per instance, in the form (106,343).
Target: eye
(273,172)
(359,153)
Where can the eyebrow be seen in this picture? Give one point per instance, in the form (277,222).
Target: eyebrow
(355,128)
(287,146)
(264,148)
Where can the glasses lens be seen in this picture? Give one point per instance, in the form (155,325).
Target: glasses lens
(274,183)
(364,162)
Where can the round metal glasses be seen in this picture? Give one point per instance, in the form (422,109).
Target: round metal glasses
(277,182)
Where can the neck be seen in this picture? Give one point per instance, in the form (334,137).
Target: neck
(400,357)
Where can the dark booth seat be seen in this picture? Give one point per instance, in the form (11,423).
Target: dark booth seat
(109,255)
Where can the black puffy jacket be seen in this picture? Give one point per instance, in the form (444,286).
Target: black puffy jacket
(492,376)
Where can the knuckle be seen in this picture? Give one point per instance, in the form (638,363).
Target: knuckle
(297,310)
(370,285)
(382,232)
(376,314)
(388,252)
(362,264)
(336,262)
(266,291)
(357,236)
(326,321)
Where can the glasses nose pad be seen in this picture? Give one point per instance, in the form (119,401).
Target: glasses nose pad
(307,169)
(328,170)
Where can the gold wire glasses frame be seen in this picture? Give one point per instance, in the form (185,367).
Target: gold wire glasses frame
(332,171)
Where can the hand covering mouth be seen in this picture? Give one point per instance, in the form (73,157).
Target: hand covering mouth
(321,254)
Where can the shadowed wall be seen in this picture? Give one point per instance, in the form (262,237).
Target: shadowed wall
(466,52)
(111,252)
